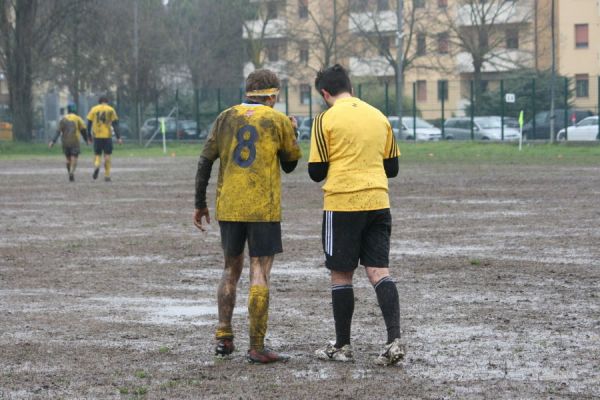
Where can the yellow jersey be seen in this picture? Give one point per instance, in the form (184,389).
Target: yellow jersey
(102,117)
(70,127)
(250,140)
(354,138)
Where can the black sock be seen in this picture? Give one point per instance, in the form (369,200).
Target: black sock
(389,302)
(343,307)
(68,168)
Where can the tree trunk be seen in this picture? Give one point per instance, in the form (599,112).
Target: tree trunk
(477,66)
(20,79)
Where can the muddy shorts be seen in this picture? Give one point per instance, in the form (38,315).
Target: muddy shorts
(103,146)
(71,151)
(264,238)
(352,236)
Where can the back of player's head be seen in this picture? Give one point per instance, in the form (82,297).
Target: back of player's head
(103,100)
(71,108)
(262,79)
(334,80)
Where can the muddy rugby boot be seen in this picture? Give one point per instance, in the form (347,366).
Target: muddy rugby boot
(107,179)
(96,172)
(332,353)
(224,347)
(265,356)
(71,178)
(391,354)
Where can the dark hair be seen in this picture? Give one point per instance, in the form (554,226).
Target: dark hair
(71,108)
(334,80)
(262,79)
(103,99)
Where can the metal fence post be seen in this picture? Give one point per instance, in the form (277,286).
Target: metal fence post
(156,106)
(598,108)
(241,95)
(360,90)
(414,112)
(502,109)
(218,100)
(310,104)
(472,110)
(443,108)
(197,110)
(533,106)
(387,99)
(566,105)
(287,99)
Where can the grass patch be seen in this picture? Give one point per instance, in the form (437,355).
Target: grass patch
(141,374)
(163,350)
(437,152)
(475,262)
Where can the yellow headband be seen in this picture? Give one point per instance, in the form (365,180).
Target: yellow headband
(263,92)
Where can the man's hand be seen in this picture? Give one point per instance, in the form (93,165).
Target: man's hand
(294,121)
(198,214)
(120,141)
(50,144)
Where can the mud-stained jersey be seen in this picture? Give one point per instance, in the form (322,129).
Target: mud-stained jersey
(70,127)
(354,138)
(102,116)
(250,140)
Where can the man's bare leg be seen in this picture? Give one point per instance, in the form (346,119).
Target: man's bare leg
(226,294)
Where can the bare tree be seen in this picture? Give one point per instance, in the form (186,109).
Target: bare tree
(27,31)
(259,27)
(491,35)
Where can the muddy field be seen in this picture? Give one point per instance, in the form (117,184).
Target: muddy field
(108,291)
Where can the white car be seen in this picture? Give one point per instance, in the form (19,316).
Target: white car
(484,128)
(586,129)
(423,129)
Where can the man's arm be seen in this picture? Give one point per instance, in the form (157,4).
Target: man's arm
(53,141)
(202,178)
(89,127)
(115,125)
(318,170)
(391,166)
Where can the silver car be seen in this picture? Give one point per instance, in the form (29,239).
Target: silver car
(423,129)
(484,128)
(586,129)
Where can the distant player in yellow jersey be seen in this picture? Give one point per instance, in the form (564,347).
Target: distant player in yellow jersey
(71,127)
(102,119)
(252,141)
(352,145)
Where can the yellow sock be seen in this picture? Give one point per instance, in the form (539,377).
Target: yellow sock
(224,333)
(97,162)
(107,167)
(258,312)
(73,166)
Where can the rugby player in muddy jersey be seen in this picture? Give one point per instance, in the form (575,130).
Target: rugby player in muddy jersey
(353,147)
(252,142)
(102,120)
(70,128)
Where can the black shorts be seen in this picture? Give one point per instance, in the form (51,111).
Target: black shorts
(103,145)
(71,151)
(352,236)
(264,238)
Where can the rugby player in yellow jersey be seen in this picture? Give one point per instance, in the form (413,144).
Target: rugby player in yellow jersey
(252,141)
(102,119)
(352,145)
(71,127)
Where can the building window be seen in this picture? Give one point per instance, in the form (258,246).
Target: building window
(383,5)
(305,94)
(271,10)
(512,39)
(384,45)
(442,87)
(303,9)
(421,91)
(303,53)
(272,52)
(419,3)
(442,3)
(358,6)
(421,44)
(443,43)
(581,36)
(582,85)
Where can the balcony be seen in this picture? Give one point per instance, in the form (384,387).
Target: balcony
(275,29)
(495,13)
(369,67)
(501,60)
(383,21)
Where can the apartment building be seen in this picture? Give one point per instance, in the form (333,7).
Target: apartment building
(578,39)
(448,44)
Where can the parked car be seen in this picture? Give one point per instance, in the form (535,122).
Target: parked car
(586,129)
(150,126)
(304,128)
(484,128)
(187,130)
(542,122)
(424,130)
